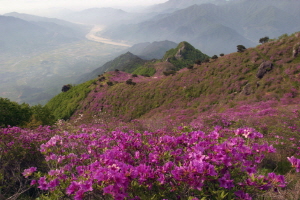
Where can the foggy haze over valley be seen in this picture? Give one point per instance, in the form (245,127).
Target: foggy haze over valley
(45,45)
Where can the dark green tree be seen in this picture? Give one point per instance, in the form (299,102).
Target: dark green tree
(13,114)
(42,115)
(214,57)
(130,82)
(170,72)
(190,66)
(241,48)
(264,40)
(198,62)
(109,83)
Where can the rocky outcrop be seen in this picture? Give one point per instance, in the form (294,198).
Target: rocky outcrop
(178,55)
(247,90)
(296,50)
(264,68)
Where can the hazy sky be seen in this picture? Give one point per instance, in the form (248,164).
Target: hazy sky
(38,5)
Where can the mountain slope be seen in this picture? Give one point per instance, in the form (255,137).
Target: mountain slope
(266,73)
(184,54)
(125,62)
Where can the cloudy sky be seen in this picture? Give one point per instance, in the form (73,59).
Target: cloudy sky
(38,5)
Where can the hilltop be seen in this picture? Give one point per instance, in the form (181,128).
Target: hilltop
(183,54)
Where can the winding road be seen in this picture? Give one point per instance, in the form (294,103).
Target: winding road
(92,36)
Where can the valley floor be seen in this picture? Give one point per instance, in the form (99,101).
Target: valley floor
(93,37)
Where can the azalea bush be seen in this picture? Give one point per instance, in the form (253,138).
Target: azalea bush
(19,149)
(91,163)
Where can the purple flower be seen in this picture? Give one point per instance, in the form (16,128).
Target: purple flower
(28,172)
(226,182)
(33,182)
(277,179)
(43,185)
(242,195)
(52,184)
(79,195)
(295,163)
(74,186)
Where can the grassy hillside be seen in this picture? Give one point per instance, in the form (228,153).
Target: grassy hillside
(219,84)
(65,104)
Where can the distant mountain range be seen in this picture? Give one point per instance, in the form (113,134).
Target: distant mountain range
(53,24)
(154,50)
(17,35)
(104,16)
(215,28)
(174,5)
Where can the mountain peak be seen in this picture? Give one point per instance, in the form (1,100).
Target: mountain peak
(184,54)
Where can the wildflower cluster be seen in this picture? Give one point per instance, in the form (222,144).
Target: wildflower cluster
(156,165)
(19,149)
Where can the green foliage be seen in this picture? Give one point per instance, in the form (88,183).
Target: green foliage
(283,36)
(170,72)
(65,104)
(145,70)
(41,116)
(13,114)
